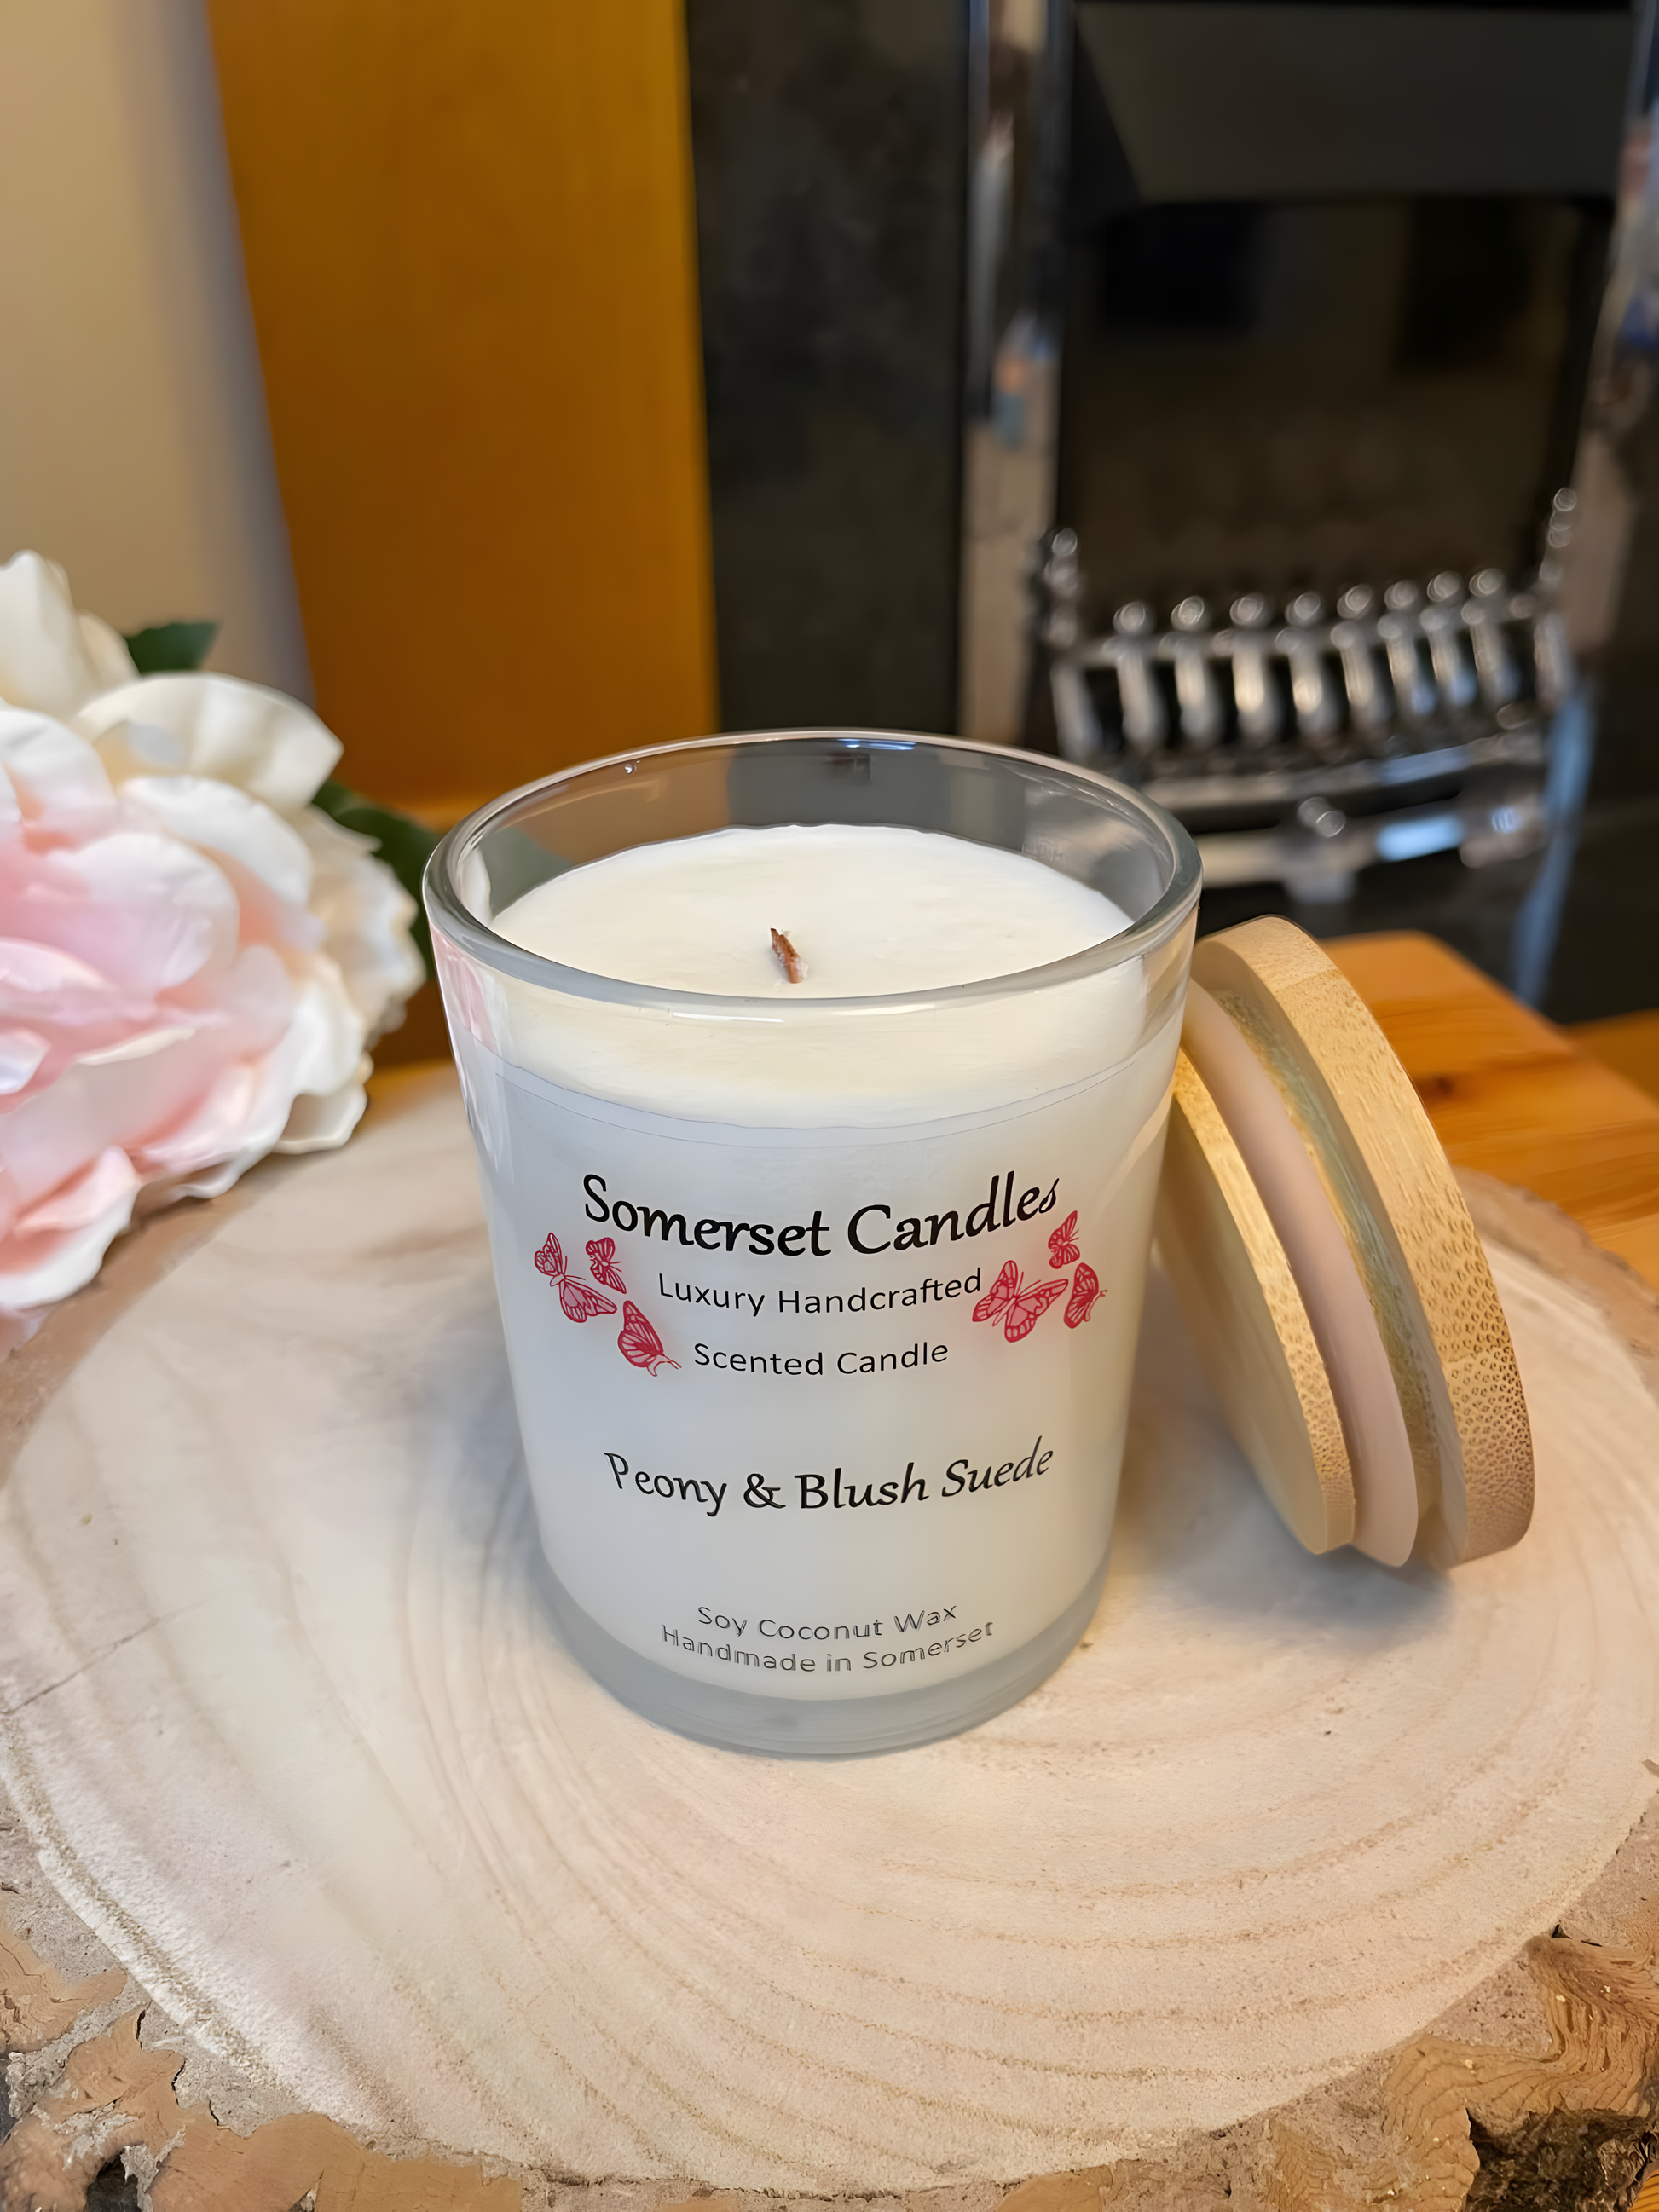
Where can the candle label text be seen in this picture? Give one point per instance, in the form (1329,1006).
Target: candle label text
(870,1228)
(914,1642)
(820,1370)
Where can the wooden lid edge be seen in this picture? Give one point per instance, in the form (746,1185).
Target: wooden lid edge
(1201,1280)
(1436,1301)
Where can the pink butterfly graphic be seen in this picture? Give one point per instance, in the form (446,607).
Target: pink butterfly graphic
(1062,1245)
(1021,1308)
(999,1294)
(579,1300)
(602,1263)
(1085,1291)
(639,1342)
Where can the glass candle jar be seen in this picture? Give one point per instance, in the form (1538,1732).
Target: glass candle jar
(820,1302)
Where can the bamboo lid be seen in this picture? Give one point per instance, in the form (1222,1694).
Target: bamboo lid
(1333,1279)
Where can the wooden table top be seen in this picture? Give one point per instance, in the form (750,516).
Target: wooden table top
(1511,1095)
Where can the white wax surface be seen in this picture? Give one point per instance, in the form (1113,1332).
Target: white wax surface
(870,910)
(873,912)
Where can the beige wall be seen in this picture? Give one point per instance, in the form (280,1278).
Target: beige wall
(133,442)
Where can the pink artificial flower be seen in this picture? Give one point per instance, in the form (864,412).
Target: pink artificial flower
(192,958)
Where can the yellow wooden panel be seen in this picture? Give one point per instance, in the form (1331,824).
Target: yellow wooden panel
(1629,1042)
(470,245)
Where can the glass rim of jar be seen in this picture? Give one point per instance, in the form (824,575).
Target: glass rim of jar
(447,908)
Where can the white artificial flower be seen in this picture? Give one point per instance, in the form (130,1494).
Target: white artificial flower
(193,957)
(366,913)
(214,725)
(51,657)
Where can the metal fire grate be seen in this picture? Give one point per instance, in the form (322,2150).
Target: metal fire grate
(1301,745)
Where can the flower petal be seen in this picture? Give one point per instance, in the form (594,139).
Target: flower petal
(238,733)
(143,910)
(53,1009)
(367,913)
(22,1052)
(318,1124)
(45,660)
(61,1245)
(148,1090)
(234,827)
(39,983)
(255,994)
(57,779)
(84,1199)
(300,1100)
(52,1135)
(195,1182)
(107,649)
(216,1129)
(129,749)
(327,1035)
(143,1046)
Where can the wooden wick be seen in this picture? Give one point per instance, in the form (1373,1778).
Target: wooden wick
(794,966)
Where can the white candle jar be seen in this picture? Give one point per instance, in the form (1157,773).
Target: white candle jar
(820,1309)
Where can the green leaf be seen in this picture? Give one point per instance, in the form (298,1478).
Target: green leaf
(172,649)
(404,845)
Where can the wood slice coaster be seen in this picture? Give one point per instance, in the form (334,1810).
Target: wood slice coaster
(285,1716)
